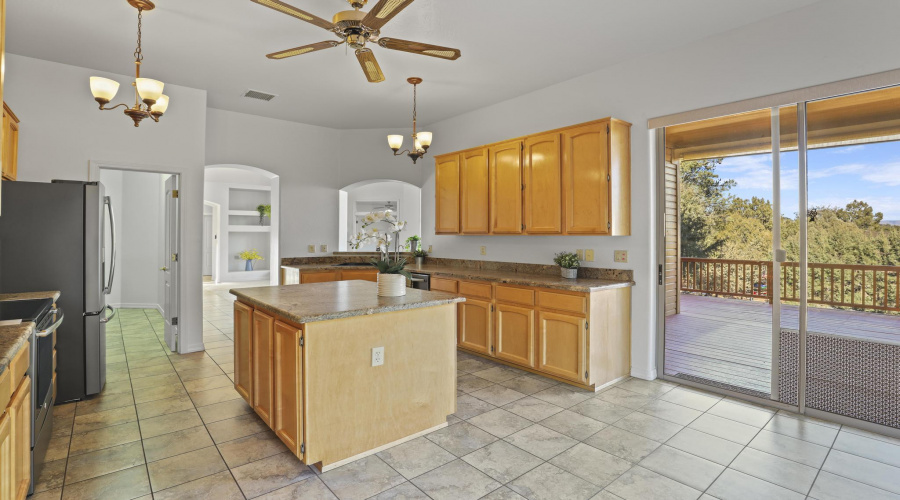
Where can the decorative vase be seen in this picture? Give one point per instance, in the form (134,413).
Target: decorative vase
(248,266)
(391,285)
(262,219)
(569,273)
(420,261)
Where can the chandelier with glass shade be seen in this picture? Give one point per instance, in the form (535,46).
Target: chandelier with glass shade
(421,140)
(149,100)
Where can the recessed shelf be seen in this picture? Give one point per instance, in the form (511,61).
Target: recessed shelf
(249,229)
(249,213)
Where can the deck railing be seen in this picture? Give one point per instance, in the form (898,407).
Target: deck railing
(839,285)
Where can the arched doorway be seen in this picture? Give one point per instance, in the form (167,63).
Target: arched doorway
(360,198)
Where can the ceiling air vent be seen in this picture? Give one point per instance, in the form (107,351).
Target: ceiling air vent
(262,96)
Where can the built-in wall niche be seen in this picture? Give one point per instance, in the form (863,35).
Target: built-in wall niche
(240,241)
(245,231)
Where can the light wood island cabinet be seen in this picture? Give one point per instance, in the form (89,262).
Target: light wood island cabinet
(15,428)
(574,180)
(311,374)
(10,148)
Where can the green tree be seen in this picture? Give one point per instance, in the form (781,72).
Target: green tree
(861,214)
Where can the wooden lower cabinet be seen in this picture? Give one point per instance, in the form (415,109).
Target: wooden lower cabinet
(514,339)
(319,277)
(19,411)
(7,461)
(243,350)
(293,275)
(287,416)
(262,365)
(562,340)
(359,274)
(475,325)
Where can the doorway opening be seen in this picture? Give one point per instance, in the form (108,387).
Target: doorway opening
(361,198)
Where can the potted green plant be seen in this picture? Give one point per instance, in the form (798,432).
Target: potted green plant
(420,255)
(568,264)
(250,256)
(264,211)
(391,273)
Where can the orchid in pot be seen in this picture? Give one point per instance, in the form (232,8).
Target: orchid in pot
(383,229)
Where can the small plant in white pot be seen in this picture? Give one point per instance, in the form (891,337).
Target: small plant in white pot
(391,274)
(568,264)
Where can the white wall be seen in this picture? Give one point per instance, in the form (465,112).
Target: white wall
(409,207)
(64,136)
(828,41)
(137,198)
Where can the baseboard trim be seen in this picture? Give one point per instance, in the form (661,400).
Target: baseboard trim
(192,348)
(650,374)
(335,465)
(160,309)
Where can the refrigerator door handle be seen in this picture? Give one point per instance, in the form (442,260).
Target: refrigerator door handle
(105,318)
(112,240)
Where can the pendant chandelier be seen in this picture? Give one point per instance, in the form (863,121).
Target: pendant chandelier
(421,140)
(149,101)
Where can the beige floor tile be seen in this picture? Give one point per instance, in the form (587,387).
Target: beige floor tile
(237,427)
(272,473)
(149,371)
(502,461)
(712,448)
(170,422)
(164,406)
(533,409)
(863,470)
(601,410)
(643,484)
(622,444)
(218,486)
(54,494)
(198,373)
(205,384)
(683,467)
(672,412)
(540,441)
(51,475)
(213,396)
(830,486)
(725,428)
(500,422)
(622,397)
(690,398)
(416,457)
(106,437)
(105,461)
(549,482)
(186,467)
(529,384)
(251,448)
(800,429)
(734,485)
(103,402)
(100,419)
(406,491)
(562,396)
(866,447)
(468,406)
(461,439)
(574,425)
(456,480)
(497,374)
(804,452)
(655,388)
(742,413)
(224,410)
(498,395)
(176,443)
(124,484)
(57,449)
(648,426)
(777,470)
(467,382)
(148,394)
(593,465)
(504,493)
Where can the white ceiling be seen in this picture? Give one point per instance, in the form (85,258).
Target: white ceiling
(509,48)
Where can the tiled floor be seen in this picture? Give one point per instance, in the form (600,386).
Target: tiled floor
(173,426)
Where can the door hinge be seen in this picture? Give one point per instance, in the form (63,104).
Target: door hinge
(303,448)
(174,257)
(609,225)
(301,341)
(659,275)
(585,375)
(608,177)
(607,128)
(492,307)
(175,321)
(523,227)
(523,187)
(587,325)
(492,348)
(174,193)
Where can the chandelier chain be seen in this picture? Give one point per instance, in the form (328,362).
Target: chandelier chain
(414,110)
(138,55)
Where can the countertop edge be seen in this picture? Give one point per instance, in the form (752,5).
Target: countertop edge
(313,318)
(12,338)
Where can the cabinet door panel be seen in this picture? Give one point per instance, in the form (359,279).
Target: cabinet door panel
(506,188)
(7,484)
(561,345)
(243,350)
(262,366)
(319,277)
(475,192)
(287,417)
(444,284)
(586,179)
(364,275)
(475,325)
(19,412)
(543,185)
(515,334)
(446,193)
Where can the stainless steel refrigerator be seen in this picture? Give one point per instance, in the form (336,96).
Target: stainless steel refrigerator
(52,237)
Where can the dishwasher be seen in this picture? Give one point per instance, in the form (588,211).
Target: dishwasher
(420,281)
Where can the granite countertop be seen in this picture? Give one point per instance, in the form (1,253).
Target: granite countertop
(13,337)
(335,300)
(509,277)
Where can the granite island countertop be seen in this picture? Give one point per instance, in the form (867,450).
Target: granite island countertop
(335,300)
(14,337)
(509,277)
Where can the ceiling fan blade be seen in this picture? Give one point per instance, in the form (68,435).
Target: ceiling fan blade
(369,65)
(424,49)
(303,49)
(384,11)
(295,12)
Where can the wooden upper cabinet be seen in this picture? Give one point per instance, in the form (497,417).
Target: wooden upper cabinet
(543,184)
(586,179)
(474,180)
(10,148)
(446,194)
(263,365)
(243,341)
(506,186)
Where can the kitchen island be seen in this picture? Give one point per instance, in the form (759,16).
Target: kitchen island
(338,372)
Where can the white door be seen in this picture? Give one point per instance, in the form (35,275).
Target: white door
(170,265)
(207,244)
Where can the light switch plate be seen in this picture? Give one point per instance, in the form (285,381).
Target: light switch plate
(377,356)
(323,248)
(483,250)
(580,254)
(311,249)
(621,255)
(429,249)
(589,255)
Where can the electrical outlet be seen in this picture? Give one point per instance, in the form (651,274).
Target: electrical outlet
(589,255)
(323,248)
(620,255)
(429,249)
(311,249)
(483,250)
(377,356)
(580,254)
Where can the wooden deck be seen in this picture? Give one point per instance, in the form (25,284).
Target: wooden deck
(729,341)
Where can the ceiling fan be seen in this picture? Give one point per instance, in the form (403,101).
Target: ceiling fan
(355,28)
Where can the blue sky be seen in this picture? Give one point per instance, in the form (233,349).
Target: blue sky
(837,176)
